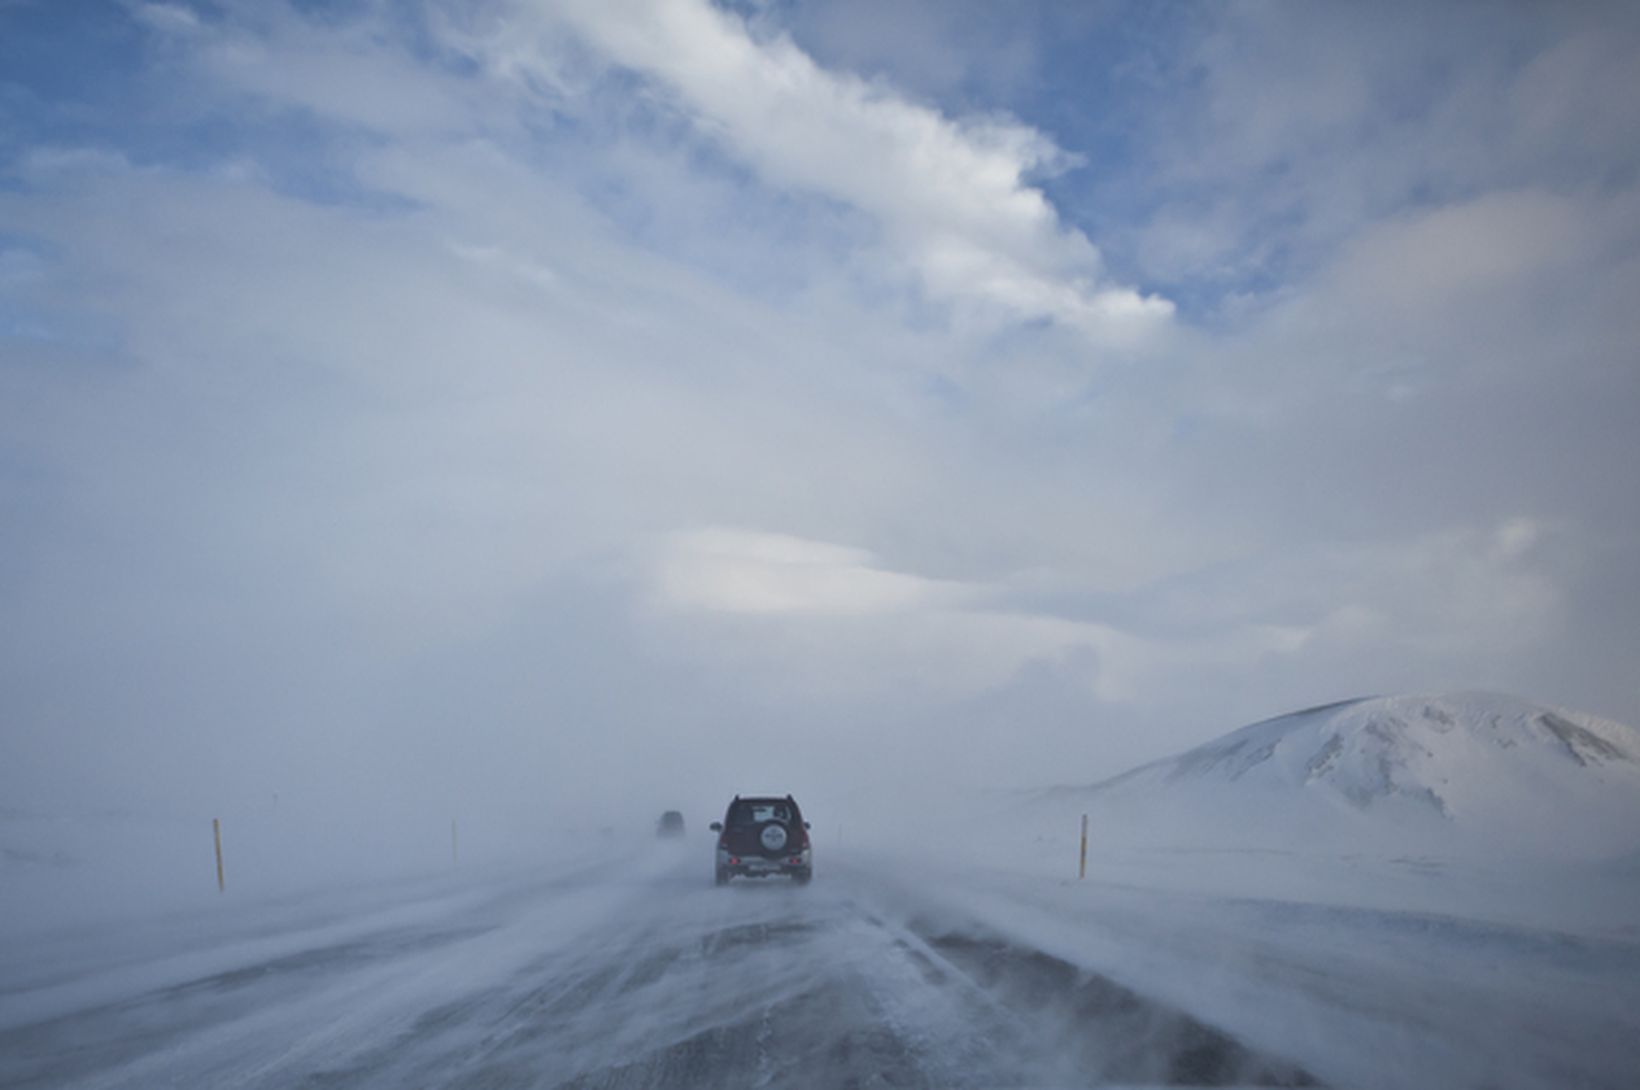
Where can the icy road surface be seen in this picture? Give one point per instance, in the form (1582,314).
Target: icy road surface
(647,976)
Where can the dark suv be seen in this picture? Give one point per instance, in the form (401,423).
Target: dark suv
(762,836)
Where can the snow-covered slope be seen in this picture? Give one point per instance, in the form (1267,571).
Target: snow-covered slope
(1467,771)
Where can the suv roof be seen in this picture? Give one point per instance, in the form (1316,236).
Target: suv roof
(763,808)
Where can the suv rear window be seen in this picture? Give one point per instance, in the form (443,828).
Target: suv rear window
(756,811)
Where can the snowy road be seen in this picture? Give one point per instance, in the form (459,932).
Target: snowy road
(641,977)
(643,974)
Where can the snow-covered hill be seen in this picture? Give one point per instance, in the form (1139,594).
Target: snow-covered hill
(1457,772)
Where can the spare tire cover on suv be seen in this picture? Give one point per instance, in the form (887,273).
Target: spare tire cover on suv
(773,838)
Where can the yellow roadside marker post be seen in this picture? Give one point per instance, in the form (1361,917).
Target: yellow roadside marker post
(216,834)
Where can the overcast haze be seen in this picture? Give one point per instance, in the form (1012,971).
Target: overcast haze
(452,407)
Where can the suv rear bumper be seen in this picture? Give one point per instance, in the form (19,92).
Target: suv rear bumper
(757,866)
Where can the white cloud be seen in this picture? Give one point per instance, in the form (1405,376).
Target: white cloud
(1470,590)
(534,273)
(343,72)
(739,571)
(20,268)
(168,18)
(1575,100)
(58,165)
(1282,134)
(834,620)
(952,198)
(372,443)
(1428,262)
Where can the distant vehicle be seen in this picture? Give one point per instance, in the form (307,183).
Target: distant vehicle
(670,825)
(762,836)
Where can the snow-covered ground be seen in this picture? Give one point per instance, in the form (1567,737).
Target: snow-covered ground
(1281,907)
(885,971)
(1361,996)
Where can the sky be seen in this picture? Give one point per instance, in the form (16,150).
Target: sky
(449,406)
